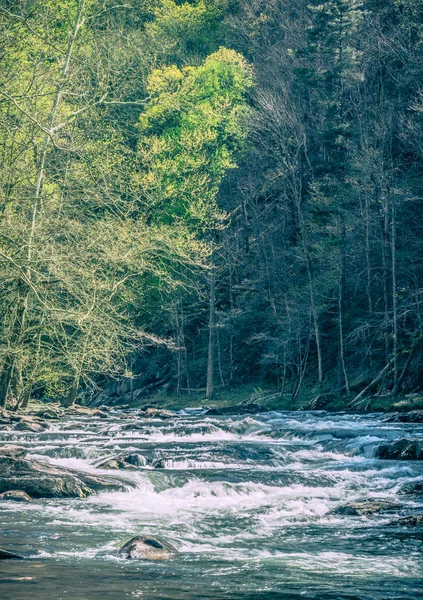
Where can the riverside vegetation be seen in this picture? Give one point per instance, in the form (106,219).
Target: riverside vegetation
(203,196)
(211,332)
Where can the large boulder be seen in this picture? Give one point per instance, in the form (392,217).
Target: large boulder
(15,496)
(13,450)
(48,414)
(6,555)
(147,547)
(364,507)
(156,413)
(404,449)
(31,424)
(43,480)
(85,411)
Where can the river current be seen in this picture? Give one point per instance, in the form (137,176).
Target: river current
(246,500)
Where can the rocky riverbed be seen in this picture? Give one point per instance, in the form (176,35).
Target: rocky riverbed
(159,505)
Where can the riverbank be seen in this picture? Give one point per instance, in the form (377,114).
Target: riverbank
(311,397)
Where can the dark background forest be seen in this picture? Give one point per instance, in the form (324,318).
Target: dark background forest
(310,225)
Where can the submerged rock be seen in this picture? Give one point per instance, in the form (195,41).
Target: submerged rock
(404,449)
(43,480)
(364,507)
(13,450)
(131,461)
(156,413)
(27,424)
(415,487)
(147,547)
(115,463)
(132,426)
(47,414)
(16,496)
(137,460)
(409,521)
(87,412)
(5,555)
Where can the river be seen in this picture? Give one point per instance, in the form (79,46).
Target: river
(246,499)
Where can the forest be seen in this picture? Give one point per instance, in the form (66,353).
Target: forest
(197,196)
(211,299)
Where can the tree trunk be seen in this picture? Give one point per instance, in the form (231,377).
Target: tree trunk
(5,380)
(178,351)
(312,293)
(378,377)
(73,394)
(341,310)
(368,257)
(394,304)
(385,260)
(26,398)
(211,350)
(9,362)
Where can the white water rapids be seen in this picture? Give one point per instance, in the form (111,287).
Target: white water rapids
(246,500)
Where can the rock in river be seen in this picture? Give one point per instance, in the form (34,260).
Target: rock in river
(137,460)
(410,521)
(156,413)
(44,480)
(5,555)
(131,461)
(16,496)
(147,547)
(13,450)
(404,449)
(115,463)
(413,488)
(364,507)
(31,425)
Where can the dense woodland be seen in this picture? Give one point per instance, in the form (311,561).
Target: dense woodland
(199,195)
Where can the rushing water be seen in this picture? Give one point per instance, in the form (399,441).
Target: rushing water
(245,499)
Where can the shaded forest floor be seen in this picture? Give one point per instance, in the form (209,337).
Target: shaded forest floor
(310,398)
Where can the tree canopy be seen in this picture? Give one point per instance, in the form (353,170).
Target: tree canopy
(210,189)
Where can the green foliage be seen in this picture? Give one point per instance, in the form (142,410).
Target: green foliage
(137,148)
(191,133)
(94,231)
(189,28)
